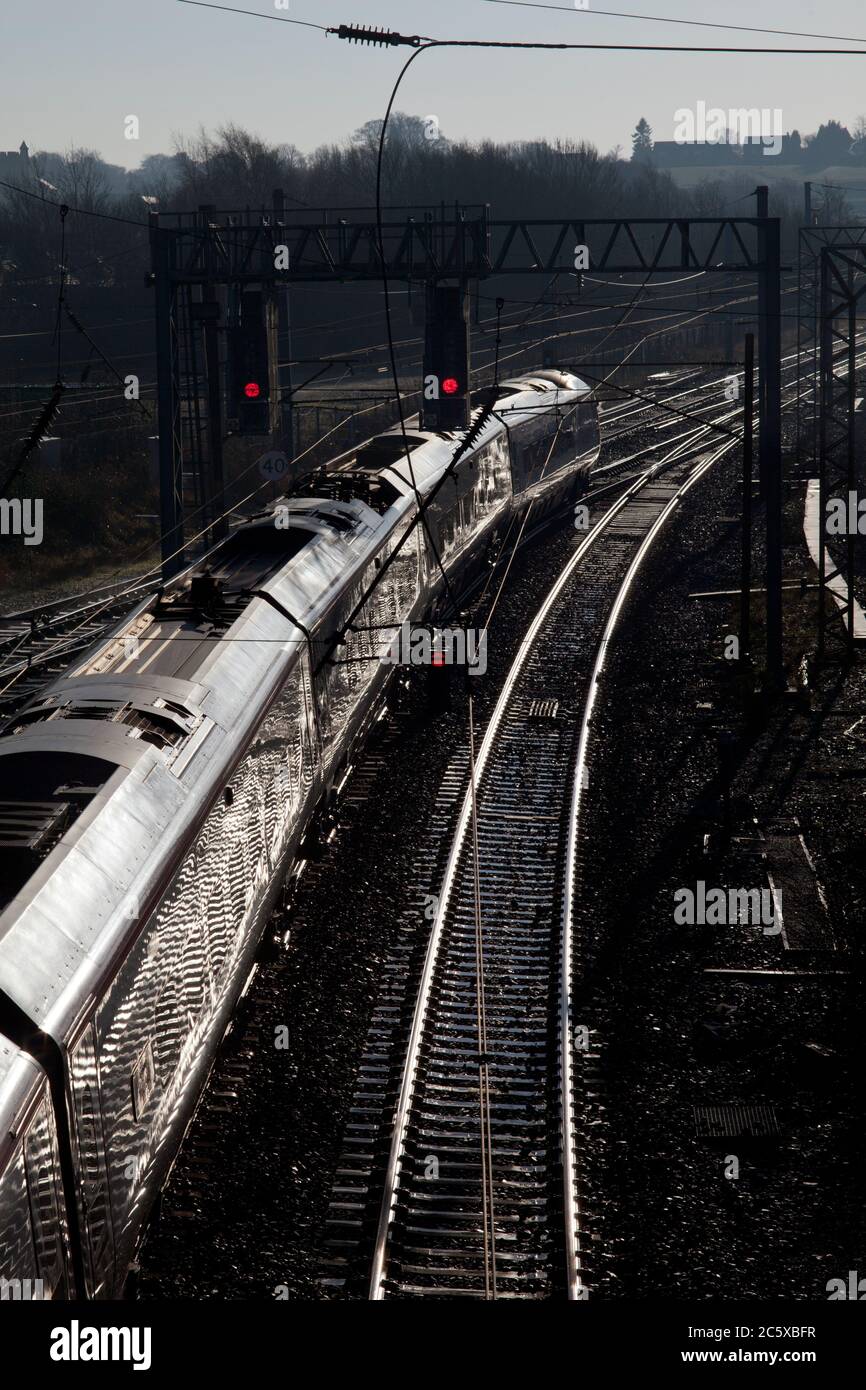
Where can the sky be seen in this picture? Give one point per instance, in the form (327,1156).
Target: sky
(72,71)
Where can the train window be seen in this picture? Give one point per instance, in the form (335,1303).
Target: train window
(42,1188)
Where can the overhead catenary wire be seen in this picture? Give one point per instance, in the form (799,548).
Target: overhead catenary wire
(61,295)
(422,44)
(279,18)
(49,332)
(665,19)
(379,37)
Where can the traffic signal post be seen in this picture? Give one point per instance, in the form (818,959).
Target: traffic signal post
(445,390)
(252,365)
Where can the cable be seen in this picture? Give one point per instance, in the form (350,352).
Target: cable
(500,304)
(617,284)
(389,330)
(148,415)
(660,19)
(82,212)
(47,414)
(421,45)
(58,322)
(52,405)
(230,9)
(385,37)
(632,303)
(45,332)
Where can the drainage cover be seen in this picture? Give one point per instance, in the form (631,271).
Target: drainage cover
(734,1121)
(543,709)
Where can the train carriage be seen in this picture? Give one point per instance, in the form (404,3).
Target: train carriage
(153,799)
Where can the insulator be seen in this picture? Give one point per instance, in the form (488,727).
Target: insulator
(379,38)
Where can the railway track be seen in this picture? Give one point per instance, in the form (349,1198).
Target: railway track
(469,1186)
(38,644)
(630,411)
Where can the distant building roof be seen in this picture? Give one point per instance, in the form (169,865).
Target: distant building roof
(671,153)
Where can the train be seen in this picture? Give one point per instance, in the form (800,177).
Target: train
(155,797)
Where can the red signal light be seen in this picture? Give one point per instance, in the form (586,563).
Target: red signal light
(252,390)
(450,386)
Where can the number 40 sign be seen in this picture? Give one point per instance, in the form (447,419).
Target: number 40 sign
(273,466)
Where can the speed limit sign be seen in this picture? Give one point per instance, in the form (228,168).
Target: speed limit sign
(273,466)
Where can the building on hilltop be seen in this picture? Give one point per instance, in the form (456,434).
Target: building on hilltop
(15,161)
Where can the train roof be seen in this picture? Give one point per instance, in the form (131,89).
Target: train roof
(550,379)
(117,754)
(384,457)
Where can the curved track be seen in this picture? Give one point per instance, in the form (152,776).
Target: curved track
(481,1191)
(471,1063)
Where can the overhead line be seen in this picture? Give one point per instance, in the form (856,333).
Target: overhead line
(230,9)
(389,38)
(664,19)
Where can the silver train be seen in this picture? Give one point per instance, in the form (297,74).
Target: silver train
(153,799)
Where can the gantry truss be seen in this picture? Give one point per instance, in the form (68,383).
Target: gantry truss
(448,243)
